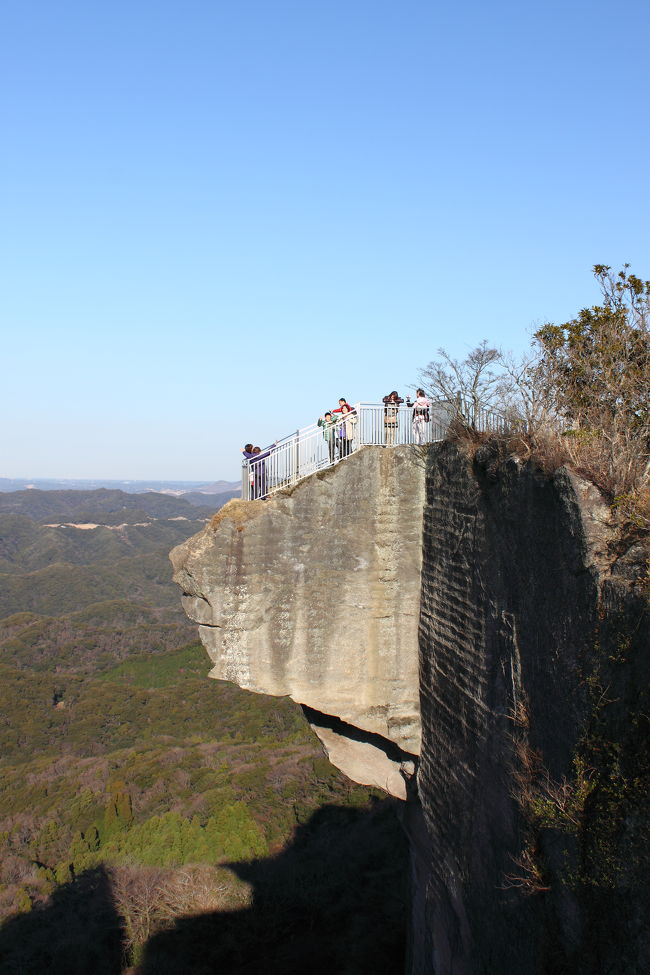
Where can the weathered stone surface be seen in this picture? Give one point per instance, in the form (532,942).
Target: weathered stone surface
(315,593)
(364,763)
(521,621)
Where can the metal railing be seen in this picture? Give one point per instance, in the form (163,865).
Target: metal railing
(309,450)
(476,417)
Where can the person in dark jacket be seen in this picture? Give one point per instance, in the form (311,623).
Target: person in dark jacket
(247,451)
(258,465)
(257,469)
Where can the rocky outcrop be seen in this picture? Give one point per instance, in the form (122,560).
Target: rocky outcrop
(315,593)
(496,601)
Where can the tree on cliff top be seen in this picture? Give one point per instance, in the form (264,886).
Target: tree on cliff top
(594,371)
(473,384)
(585,387)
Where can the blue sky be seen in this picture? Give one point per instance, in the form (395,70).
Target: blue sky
(219,217)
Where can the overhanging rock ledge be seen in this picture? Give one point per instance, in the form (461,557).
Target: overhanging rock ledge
(315,594)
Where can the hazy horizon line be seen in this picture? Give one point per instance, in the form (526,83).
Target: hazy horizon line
(120,480)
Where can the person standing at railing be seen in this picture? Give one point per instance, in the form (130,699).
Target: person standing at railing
(421,416)
(346,430)
(392,403)
(258,469)
(328,423)
(247,451)
(259,472)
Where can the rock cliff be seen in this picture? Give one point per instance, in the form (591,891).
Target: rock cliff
(315,593)
(496,601)
(533,853)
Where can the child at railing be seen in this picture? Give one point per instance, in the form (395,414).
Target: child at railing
(328,423)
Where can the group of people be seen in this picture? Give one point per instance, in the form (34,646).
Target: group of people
(339,424)
(338,429)
(421,415)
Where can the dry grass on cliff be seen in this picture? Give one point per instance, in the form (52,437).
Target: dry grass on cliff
(634,509)
(238,512)
(624,487)
(545,451)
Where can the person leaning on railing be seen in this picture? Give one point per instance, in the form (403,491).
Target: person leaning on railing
(392,403)
(256,464)
(259,470)
(247,451)
(342,402)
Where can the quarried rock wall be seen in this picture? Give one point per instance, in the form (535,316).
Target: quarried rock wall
(515,563)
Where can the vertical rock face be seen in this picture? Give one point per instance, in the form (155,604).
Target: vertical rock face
(514,569)
(315,593)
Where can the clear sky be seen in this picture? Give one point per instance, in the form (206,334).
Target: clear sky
(218,217)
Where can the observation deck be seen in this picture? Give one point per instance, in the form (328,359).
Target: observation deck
(315,448)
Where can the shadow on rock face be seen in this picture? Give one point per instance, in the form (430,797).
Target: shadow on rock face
(77,933)
(333,902)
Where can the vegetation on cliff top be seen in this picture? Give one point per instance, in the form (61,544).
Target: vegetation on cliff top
(582,398)
(582,395)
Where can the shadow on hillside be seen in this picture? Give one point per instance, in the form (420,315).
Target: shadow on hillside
(333,902)
(79,932)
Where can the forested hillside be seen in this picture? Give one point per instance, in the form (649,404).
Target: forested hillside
(101,505)
(129,781)
(64,551)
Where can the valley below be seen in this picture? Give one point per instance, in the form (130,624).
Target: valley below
(151,818)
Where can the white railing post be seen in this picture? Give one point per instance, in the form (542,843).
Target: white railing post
(296,457)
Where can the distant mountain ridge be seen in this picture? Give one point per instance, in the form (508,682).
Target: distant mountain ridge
(61,551)
(129,486)
(107,507)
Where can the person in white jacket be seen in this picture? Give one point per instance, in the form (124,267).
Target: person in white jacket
(421,416)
